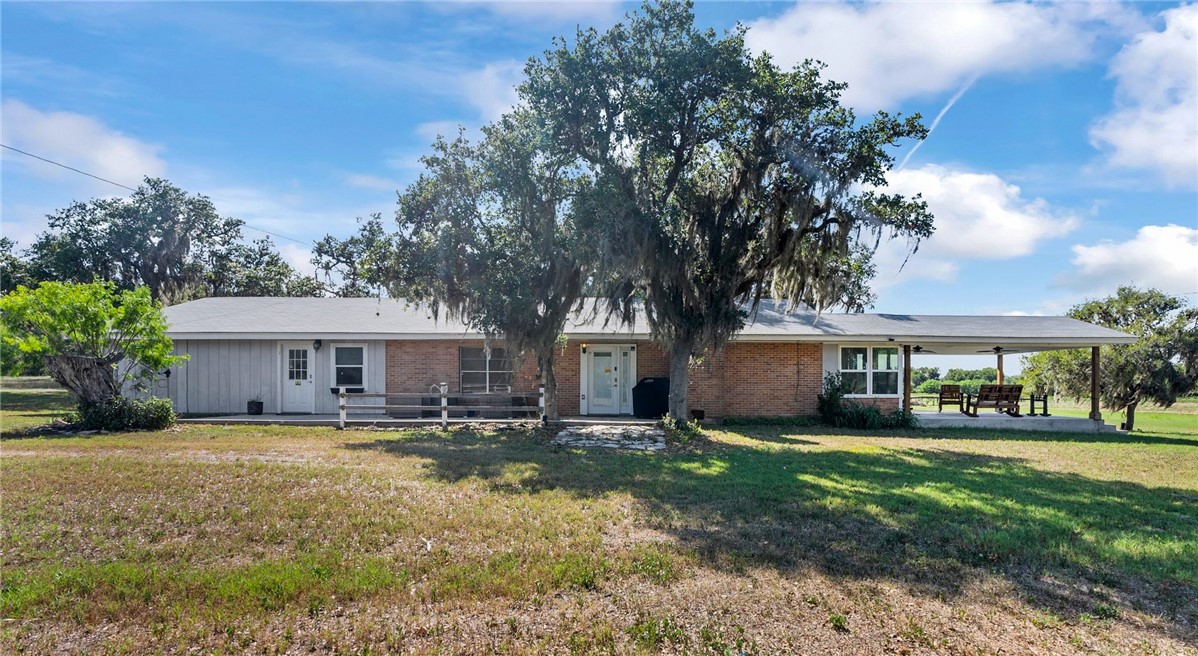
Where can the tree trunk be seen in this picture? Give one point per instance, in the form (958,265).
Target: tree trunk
(1131,415)
(87,379)
(680,370)
(549,380)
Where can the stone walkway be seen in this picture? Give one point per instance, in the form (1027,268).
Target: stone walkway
(637,438)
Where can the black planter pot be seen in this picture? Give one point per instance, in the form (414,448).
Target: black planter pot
(253,407)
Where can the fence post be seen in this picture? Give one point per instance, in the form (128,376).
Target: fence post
(541,403)
(341,397)
(444,406)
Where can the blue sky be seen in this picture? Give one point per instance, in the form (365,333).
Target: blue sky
(1065,162)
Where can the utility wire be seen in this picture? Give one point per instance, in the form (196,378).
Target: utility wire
(71,168)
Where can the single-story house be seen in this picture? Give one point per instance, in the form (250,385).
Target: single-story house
(294,354)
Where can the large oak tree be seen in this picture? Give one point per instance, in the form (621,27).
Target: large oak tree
(488,232)
(719,179)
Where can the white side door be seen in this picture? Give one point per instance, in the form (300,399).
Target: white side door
(299,378)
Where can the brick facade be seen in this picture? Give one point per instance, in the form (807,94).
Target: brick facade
(418,365)
(744,379)
(883,403)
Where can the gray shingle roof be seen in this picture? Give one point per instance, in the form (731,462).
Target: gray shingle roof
(369,318)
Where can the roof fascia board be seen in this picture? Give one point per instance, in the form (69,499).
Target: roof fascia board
(1065,342)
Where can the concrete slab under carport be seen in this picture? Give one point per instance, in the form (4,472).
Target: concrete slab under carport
(1002,422)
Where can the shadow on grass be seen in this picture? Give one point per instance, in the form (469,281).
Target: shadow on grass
(932,520)
(35,401)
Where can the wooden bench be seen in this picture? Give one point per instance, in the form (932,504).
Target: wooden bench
(1002,398)
(950,394)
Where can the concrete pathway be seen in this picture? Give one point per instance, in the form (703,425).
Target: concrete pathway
(611,436)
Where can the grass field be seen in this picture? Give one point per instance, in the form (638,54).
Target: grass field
(753,540)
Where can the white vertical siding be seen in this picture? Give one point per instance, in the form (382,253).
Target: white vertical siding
(831,358)
(220,376)
(376,374)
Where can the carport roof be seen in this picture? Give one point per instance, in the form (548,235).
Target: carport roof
(372,318)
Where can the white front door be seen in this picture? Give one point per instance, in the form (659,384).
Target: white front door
(610,373)
(299,378)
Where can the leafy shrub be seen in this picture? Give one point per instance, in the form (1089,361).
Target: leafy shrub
(830,402)
(837,411)
(682,431)
(127,414)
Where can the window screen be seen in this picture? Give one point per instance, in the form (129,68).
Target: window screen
(478,373)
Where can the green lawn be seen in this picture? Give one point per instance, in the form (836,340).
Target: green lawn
(25,409)
(755,540)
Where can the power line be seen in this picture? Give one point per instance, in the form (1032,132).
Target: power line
(71,168)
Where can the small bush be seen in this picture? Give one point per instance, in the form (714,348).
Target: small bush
(681,431)
(839,412)
(123,414)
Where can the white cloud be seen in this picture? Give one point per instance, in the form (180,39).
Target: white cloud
(298,257)
(76,140)
(492,89)
(979,216)
(290,215)
(1155,122)
(889,52)
(1164,257)
(364,181)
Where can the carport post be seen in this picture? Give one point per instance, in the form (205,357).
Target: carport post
(907,377)
(444,406)
(1000,376)
(1095,371)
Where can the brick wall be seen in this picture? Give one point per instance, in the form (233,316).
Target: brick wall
(772,379)
(744,379)
(885,404)
(415,365)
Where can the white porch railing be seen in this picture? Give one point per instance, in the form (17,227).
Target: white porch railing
(440,403)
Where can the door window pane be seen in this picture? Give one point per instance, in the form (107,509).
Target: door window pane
(297,364)
(601,377)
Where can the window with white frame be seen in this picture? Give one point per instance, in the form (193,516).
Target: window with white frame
(349,365)
(870,371)
(479,373)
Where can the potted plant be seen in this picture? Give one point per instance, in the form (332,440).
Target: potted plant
(254,406)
